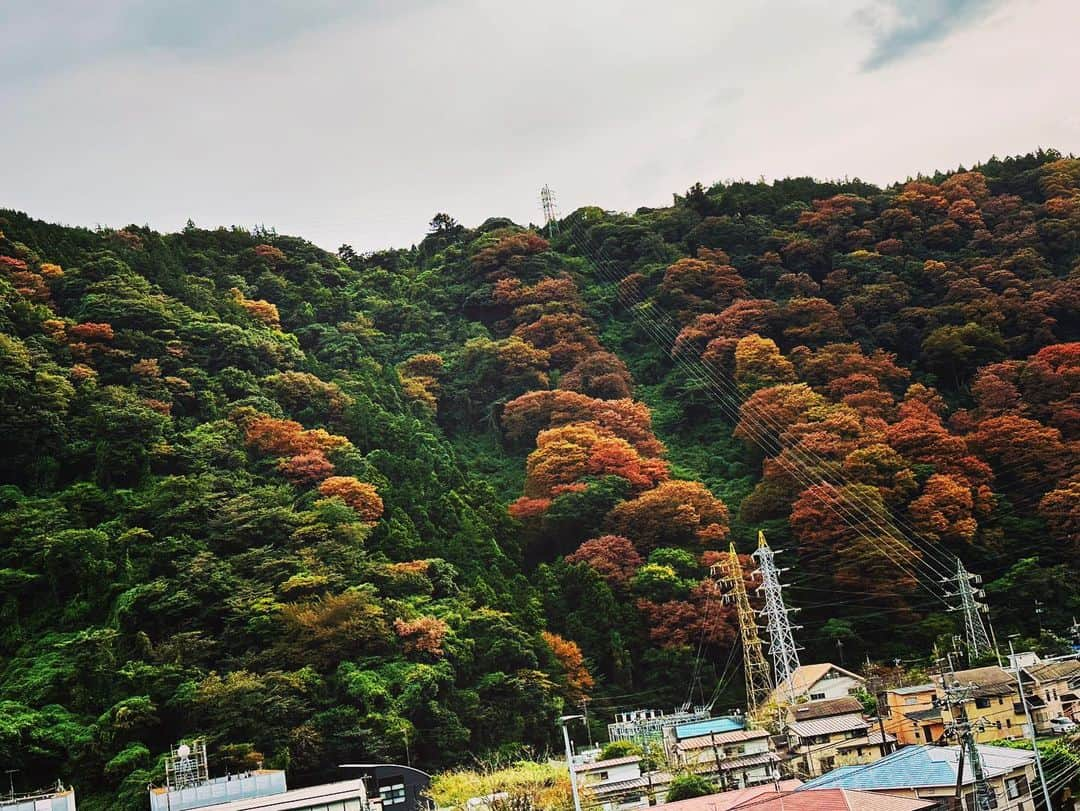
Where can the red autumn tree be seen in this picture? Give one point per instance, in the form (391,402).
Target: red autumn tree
(1021,451)
(612,556)
(360,496)
(306,468)
(259,309)
(811,321)
(1060,508)
(601,375)
(91,332)
(697,285)
(509,252)
(768,412)
(945,510)
(567,337)
(739,319)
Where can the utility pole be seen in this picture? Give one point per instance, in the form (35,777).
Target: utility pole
(755,669)
(1038,615)
(1030,727)
(978,641)
(551,212)
(782,648)
(585,715)
(956,696)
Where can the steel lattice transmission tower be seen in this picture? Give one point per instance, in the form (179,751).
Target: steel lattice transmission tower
(782,648)
(551,212)
(978,640)
(755,669)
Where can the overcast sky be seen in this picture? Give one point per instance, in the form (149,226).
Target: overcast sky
(357,121)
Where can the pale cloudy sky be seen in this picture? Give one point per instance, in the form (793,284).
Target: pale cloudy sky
(357,121)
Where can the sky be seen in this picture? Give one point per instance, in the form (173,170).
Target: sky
(355,122)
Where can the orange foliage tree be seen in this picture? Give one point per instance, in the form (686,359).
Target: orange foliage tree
(424,635)
(674,513)
(527,415)
(578,679)
(695,285)
(360,496)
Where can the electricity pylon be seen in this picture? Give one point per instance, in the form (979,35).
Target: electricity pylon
(785,654)
(755,669)
(551,213)
(978,640)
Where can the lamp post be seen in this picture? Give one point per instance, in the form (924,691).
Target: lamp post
(569,759)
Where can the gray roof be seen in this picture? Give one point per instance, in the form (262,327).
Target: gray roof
(825,707)
(828,726)
(721,738)
(913,689)
(1054,671)
(598,765)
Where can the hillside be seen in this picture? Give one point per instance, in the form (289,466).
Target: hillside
(329,507)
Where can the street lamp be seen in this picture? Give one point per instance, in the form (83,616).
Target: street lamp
(569,760)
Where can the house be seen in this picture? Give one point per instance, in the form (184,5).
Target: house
(994,701)
(932,772)
(816,683)
(825,734)
(345,795)
(1051,690)
(833,799)
(736,759)
(619,783)
(726,800)
(913,715)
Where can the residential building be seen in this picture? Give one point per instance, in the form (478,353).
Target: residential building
(817,683)
(825,734)
(1051,690)
(695,729)
(932,773)
(619,783)
(726,800)
(913,715)
(57,799)
(994,701)
(833,799)
(736,759)
(211,792)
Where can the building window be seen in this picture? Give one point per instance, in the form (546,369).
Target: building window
(602,776)
(1008,723)
(393,794)
(982,703)
(816,696)
(1016,787)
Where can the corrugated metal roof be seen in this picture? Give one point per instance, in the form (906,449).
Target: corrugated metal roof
(826,707)
(921,766)
(912,690)
(721,738)
(599,765)
(696,728)
(726,800)
(1054,671)
(828,726)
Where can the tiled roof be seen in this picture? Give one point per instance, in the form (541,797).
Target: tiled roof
(723,737)
(726,800)
(745,761)
(599,765)
(826,707)
(833,799)
(1054,671)
(828,726)
(617,786)
(718,725)
(921,766)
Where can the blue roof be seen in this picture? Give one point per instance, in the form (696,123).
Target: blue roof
(919,766)
(708,726)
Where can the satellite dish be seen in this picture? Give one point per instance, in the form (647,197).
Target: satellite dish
(183,750)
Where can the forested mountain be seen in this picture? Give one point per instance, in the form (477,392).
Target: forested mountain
(329,507)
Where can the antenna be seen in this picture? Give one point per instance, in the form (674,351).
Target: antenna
(186,765)
(551,212)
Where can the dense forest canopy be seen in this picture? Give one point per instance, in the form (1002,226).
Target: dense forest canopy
(327,507)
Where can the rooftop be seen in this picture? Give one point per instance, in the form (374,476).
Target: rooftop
(914,689)
(921,766)
(1054,671)
(297,799)
(828,726)
(722,738)
(726,800)
(806,676)
(708,726)
(826,707)
(600,765)
(833,799)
